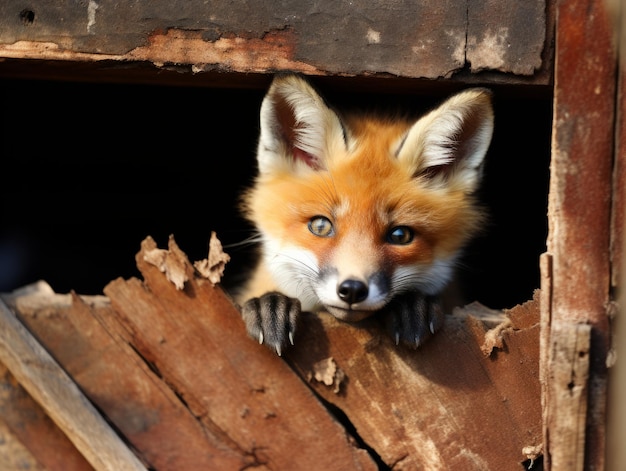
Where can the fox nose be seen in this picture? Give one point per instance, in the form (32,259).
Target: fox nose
(352,291)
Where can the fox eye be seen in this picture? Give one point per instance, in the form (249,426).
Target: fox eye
(321,226)
(400,235)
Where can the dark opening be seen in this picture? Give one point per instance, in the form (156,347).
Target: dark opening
(91,169)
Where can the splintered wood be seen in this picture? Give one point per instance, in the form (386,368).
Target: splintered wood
(171,367)
(51,387)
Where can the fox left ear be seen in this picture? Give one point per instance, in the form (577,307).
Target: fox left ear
(448,145)
(298,130)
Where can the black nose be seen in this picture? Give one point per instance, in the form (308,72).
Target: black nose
(352,291)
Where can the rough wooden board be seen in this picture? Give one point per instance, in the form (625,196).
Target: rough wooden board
(115,378)
(579,206)
(241,391)
(440,407)
(60,397)
(28,424)
(445,406)
(420,39)
(568,389)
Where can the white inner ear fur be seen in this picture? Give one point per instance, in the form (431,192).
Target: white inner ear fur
(457,135)
(292,116)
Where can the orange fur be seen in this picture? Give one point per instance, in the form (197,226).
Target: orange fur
(379,177)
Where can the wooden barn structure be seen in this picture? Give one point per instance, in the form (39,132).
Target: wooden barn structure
(156,371)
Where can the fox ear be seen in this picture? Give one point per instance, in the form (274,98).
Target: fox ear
(447,146)
(298,130)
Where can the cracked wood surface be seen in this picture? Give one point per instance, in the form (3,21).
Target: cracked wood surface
(420,39)
(49,384)
(577,279)
(176,373)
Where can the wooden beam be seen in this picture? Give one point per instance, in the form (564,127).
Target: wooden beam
(414,40)
(122,385)
(568,385)
(442,406)
(55,391)
(579,209)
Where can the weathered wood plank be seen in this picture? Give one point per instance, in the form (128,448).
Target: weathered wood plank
(440,407)
(568,388)
(498,34)
(420,39)
(240,390)
(579,206)
(447,405)
(116,379)
(55,391)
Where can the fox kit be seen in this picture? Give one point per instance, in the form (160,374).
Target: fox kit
(359,215)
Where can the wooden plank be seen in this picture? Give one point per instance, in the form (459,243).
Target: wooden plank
(440,407)
(240,390)
(409,39)
(443,406)
(55,391)
(581,166)
(28,424)
(568,383)
(579,205)
(120,383)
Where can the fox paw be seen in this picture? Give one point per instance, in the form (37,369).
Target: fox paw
(271,319)
(413,318)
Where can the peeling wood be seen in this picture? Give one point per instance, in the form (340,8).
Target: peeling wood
(439,407)
(274,51)
(243,394)
(444,405)
(408,39)
(498,36)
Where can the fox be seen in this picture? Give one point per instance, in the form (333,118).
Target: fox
(360,214)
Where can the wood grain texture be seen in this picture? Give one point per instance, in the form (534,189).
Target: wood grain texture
(442,406)
(417,39)
(176,373)
(55,391)
(580,198)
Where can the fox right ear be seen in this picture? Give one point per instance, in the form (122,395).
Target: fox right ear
(298,130)
(448,145)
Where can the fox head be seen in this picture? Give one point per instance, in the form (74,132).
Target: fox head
(354,210)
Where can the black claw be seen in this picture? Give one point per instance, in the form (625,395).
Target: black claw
(272,319)
(413,318)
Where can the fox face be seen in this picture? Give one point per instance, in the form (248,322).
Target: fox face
(361,214)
